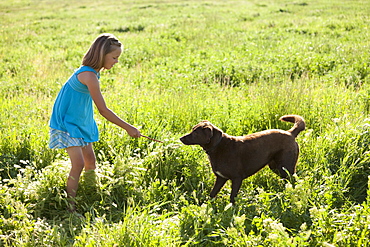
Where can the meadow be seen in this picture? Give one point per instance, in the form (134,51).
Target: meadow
(239,64)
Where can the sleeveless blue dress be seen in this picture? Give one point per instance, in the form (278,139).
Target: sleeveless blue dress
(73,114)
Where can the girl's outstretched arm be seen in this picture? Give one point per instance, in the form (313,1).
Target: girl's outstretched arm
(91,81)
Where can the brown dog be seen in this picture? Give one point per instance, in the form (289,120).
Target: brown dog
(238,157)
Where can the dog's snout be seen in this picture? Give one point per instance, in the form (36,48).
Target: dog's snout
(186,139)
(182,138)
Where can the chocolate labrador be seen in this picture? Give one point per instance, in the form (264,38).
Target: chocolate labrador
(238,157)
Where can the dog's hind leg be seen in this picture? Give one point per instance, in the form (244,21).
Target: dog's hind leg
(236,183)
(220,181)
(274,167)
(286,162)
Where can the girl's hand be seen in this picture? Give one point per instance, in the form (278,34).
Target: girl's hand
(133,132)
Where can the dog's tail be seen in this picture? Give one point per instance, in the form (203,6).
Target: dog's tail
(299,124)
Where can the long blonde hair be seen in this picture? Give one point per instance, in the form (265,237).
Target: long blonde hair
(103,44)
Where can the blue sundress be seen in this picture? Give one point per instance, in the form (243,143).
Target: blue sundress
(72,120)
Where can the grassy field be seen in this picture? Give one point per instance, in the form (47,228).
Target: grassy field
(239,64)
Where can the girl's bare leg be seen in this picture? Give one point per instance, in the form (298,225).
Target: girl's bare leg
(89,179)
(89,157)
(81,157)
(77,165)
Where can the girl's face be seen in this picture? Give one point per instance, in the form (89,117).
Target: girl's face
(111,58)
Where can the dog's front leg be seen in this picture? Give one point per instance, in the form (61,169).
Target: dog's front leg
(235,186)
(220,181)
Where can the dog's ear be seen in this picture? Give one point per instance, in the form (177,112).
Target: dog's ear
(208,131)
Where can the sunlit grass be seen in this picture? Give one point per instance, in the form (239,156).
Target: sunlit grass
(240,65)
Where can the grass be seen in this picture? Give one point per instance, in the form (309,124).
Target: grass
(239,64)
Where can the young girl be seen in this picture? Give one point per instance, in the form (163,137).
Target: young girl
(72,126)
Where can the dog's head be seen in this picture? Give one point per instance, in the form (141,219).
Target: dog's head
(201,134)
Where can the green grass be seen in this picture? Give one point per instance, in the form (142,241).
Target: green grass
(239,64)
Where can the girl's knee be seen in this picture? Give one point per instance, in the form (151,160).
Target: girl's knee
(77,167)
(89,158)
(90,162)
(90,166)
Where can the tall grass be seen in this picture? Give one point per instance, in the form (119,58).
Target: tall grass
(240,65)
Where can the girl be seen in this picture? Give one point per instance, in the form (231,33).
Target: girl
(72,126)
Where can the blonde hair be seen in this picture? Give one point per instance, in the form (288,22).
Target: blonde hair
(103,44)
